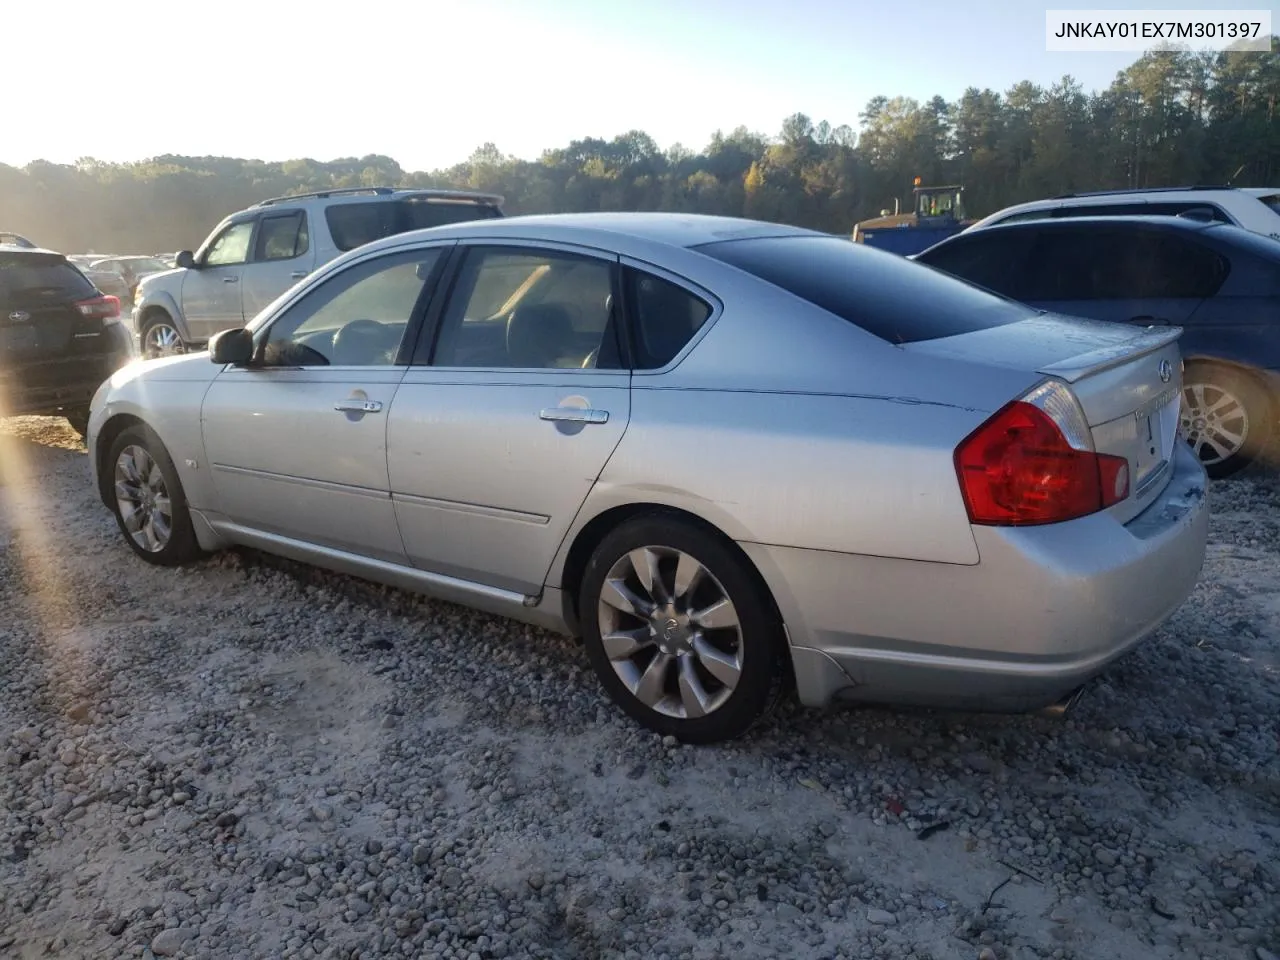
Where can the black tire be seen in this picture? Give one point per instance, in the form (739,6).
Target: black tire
(758,641)
(180,546)
(1242,409)
(154,319)
(79,420)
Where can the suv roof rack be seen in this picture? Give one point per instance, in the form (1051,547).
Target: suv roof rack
(468,196)
(336,192)
(1112,193)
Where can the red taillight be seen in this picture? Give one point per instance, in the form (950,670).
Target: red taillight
(101,308)
(1018,469)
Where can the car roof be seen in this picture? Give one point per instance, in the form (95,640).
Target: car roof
(609,230)
(30,251)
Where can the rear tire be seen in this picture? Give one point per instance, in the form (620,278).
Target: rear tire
(1225,417)
(148,500)
(681,631)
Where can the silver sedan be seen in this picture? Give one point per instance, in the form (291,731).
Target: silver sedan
(733,457)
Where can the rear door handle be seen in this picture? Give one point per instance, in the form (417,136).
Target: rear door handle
(230,279)
(358,406)
(298,274)
(574,415)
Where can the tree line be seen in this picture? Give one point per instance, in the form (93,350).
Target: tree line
(1171,118)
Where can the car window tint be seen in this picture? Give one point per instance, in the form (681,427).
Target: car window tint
(529,309)
(359,317)
(421,214)
(231,247)
(282,237)
(988,258)
(665,318)
(886,295)
(1118,264)
(39,275)
(355,224)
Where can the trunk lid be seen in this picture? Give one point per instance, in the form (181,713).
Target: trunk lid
(1128,381)
(39,319)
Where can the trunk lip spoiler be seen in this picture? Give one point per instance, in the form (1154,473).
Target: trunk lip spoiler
(1096,361)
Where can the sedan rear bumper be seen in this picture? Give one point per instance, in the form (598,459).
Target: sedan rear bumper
(1045,609)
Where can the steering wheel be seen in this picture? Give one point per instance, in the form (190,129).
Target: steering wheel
(358,342)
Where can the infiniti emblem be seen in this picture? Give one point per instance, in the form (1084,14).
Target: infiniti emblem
(19,316)
(1166,371)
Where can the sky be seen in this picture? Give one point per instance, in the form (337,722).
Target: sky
(427,81)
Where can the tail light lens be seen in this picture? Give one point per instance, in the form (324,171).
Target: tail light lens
(99,308)
(1033,462)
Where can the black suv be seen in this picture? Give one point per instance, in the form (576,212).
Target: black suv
(60,338)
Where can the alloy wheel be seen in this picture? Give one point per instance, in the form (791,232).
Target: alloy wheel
(670,632)
(143,499)
(1214,422)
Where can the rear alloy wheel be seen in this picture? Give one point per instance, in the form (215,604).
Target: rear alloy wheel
(681,632)
(150,507)
(1224,418)
(160,338)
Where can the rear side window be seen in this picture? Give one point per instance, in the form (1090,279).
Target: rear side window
(42,276)
(1116,264)
(421,214)
(1272,201)
(355,224)
(989,258)
(886,295)
(665,317)
(282,237)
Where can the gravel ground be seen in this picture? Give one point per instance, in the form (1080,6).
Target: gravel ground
(253,759)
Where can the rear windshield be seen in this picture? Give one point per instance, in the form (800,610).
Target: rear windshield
(355,224)
(42,275)
(884,294)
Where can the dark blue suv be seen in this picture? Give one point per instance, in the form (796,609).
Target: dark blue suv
(1219,282)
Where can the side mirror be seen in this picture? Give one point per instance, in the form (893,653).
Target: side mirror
(232,346)
(185,259)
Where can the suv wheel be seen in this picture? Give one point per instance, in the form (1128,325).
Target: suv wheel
(1225,418)
(681,631)
(160,338)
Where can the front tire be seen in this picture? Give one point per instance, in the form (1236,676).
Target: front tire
(681,631)
(160,337)
(1225,418)
(149,504)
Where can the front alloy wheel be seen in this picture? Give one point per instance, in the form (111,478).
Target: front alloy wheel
(142,499)
(1223,418)
(162,340)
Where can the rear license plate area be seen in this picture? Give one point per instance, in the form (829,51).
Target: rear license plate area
(1156,423)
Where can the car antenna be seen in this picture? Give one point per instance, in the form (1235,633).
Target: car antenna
(1231,182)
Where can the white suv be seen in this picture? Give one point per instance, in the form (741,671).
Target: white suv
(254,256)
(1253,208)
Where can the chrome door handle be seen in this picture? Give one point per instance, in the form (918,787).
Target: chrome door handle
(358,406)
(298,274)
(230,279)
(575,415)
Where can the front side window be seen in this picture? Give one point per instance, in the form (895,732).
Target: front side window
(530,309)
(231,247)
(358,318)
(282,237)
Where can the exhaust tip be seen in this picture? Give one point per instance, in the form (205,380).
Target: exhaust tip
(1064,706)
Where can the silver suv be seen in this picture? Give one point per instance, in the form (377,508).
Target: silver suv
(254,256)
(1254,208)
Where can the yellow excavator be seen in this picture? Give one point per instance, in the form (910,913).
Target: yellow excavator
(938,212)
